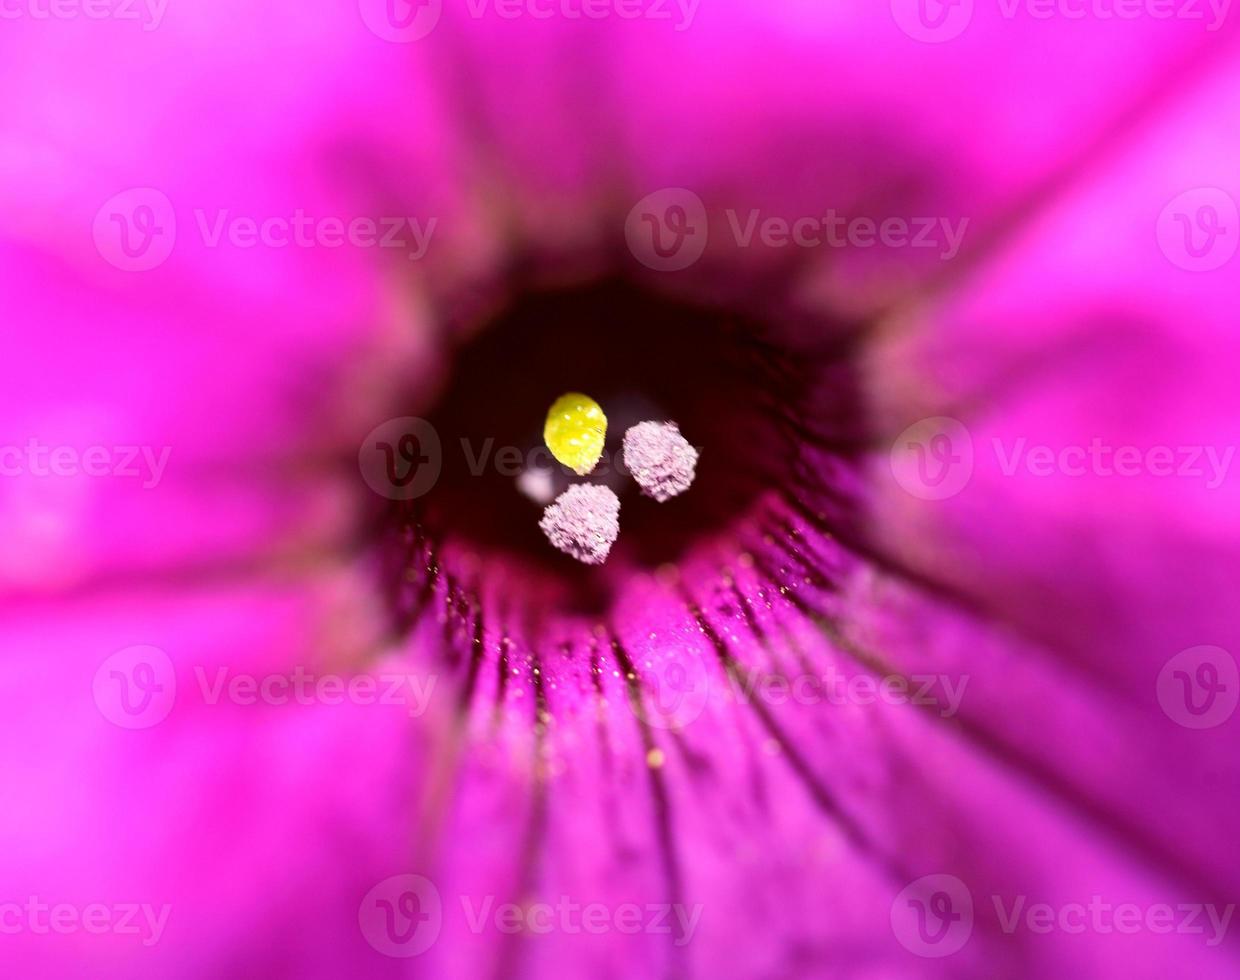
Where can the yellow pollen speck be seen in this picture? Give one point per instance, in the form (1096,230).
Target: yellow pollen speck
(575,430)
(654,758)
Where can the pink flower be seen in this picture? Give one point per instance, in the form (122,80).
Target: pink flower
(930,673)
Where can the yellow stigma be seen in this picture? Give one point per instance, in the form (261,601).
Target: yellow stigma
(575,430)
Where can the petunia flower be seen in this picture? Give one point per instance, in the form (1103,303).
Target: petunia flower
(930,673)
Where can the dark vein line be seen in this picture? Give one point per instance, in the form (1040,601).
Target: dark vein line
(658,787)
(817,791)
(534,840)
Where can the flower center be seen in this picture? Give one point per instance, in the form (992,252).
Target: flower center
(742,394)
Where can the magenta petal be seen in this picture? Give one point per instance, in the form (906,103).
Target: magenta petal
(644,754)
